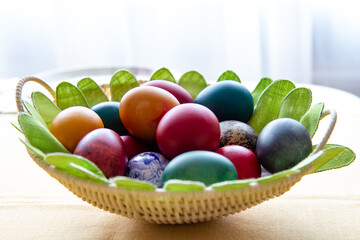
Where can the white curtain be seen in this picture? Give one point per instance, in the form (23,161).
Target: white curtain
(312,42)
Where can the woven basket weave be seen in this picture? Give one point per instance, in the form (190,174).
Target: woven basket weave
(164,207)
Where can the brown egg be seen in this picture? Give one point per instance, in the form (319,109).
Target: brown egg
(237,133)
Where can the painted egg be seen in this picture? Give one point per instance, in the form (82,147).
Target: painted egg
(237,133)
(73,123)
(109,114)
(204,166)
(179,92)
(282,144)
(244,160)
(141,109)
(134,146)
(147,166)
(229,100)
(106,150)
(187,127)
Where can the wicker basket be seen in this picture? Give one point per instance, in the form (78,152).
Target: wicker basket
(164,207)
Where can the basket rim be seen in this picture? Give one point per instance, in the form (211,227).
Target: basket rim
(158,191)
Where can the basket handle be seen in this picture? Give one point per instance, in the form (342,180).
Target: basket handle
(19,88)
(333,116)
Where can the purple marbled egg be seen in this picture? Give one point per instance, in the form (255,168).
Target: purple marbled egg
(147,166)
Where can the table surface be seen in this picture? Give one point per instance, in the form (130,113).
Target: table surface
(321,206)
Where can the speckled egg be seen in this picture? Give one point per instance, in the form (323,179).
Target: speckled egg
(237,133)
(147,166)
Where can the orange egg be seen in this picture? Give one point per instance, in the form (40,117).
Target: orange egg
(73,123)
(141,109)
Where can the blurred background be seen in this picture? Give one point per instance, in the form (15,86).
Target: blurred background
(305,41)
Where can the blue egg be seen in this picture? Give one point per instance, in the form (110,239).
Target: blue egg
(109,114)
(229,100)
(147,166)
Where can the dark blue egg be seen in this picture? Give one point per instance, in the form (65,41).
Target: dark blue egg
(109,114)
(282,144)
(229,100)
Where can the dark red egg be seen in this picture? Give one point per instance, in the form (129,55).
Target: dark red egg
(134,146)
(106,150)
(244,160)
(187,127)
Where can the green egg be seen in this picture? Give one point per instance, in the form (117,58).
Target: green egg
(203,166)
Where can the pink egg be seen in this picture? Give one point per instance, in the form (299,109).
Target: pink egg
(187,127)
(179,92)
(244,160)
(106,150)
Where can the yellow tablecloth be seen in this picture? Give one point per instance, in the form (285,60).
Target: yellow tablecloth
(321,206)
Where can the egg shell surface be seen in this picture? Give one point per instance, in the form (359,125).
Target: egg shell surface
(187,127)
(179,92)
(141,109)
(106,150)
(109,114)
(204,166)
(148,166)
(237,133)
(134,146)
(244,160)
(282,144)
(229,100)
(73,123)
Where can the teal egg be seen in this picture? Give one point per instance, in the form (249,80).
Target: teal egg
(204,166)
(109,114)
(229,100)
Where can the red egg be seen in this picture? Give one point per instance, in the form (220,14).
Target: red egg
(244,160)
(134,146)
(187,127)
(106,150)
(179,92)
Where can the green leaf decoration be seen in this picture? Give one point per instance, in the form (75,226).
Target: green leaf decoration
(296,103)
(193,82)
(344,158)
(33,149)
(260,87)
(132,184)
(229,75)
(163,74)
(277,176)
(76,166)
(267,108)
(38,135)
(68,95)
(232,185)
(319,160)
(33,112)
(312,118)
(175,185)
(121,82)
(91,91)
(46,108)
(17,126)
